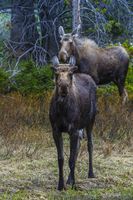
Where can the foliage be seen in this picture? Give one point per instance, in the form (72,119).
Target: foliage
(67,2)
(1,52)
(129,47)
(29,79)
(32,79)
(4,80)
(114,28)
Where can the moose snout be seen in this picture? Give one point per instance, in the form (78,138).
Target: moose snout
(63,55)
(63,90)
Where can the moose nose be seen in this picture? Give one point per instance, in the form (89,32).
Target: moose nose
(63,55)
(64,90)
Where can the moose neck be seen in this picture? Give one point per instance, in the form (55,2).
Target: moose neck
(76,51)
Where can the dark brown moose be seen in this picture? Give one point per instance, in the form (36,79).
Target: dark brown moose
(72,108)
(104,65)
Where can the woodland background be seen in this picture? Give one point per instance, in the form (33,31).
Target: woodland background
(28,40)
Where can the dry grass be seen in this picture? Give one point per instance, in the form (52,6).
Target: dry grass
(36,179)
(25,125)
(28,162)
(114,121)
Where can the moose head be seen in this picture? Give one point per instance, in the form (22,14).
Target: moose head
(67,43)
(63,75)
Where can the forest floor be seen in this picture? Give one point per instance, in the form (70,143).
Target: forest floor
(35,178)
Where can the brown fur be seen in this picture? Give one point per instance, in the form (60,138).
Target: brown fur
(72,108)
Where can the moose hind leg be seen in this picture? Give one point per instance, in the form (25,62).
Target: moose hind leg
(122,92)
(90,151)
(124,96)
(74,148)
(59,145)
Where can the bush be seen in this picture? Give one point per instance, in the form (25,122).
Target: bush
(4,80)
(32,79)
(128,47)
(114,28)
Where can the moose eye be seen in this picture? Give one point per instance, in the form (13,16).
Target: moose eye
(65,39)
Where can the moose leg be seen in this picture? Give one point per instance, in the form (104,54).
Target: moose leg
(59,145)
(74,147)
(90,150)
(122,92)
(125,96)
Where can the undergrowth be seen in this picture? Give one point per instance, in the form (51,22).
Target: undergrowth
(25,126)
(30,79)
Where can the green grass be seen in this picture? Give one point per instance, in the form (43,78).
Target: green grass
(18,195)
(36,178)
(119,193)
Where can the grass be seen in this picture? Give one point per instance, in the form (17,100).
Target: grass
(18,195)
(28,160)
(36,178)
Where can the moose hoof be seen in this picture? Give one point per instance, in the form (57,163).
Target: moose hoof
(61,187)
(69,181)
(91,175)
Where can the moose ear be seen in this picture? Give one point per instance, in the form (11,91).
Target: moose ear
(55,62)
(76,31)
(61,31)
(72,61)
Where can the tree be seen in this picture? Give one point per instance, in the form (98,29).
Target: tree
(34,24)
(103,20)
(24,34)
(76,14)
(50,13)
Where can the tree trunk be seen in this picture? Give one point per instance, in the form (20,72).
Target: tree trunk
(75,14)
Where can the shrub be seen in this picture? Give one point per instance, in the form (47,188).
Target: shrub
(4,80)
(32,79)
(114,28)
(128,47)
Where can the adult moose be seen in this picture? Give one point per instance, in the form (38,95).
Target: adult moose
(104,65)
(72,108)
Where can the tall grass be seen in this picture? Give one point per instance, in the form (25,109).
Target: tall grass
(24,123)
(25,126)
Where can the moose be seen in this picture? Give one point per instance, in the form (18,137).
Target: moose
(104,65)
(72,108)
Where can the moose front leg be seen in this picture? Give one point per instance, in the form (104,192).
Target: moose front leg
(59,145)
(74,148)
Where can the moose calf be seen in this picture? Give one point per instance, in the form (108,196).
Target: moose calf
(72,108)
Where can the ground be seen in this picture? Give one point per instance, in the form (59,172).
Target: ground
(36,177)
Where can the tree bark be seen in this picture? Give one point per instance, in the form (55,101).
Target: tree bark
(75,14)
